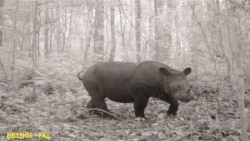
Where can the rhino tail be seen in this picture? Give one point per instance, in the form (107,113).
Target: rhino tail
(79,75)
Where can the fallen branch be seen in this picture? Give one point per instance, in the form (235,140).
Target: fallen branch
(106,112)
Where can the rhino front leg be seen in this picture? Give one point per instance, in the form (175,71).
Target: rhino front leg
(140,103)
(173,108)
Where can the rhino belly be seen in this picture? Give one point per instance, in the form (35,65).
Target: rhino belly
(117,95)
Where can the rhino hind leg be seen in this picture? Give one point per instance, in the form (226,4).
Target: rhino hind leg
(99,104)
(97,98)
(90,104)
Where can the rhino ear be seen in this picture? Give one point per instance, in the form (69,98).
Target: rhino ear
(187,71)
(164,71)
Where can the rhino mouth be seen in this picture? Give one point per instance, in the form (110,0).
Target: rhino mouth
(185,97)
(186,100)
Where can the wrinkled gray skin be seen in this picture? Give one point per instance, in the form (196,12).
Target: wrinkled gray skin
(127,82)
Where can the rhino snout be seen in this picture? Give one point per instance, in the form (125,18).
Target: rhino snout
(186,97)
(186,100)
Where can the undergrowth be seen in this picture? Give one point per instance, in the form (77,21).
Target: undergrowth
(60,110)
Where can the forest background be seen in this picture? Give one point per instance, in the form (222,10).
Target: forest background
(45,43)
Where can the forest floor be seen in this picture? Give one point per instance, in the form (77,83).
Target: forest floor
(59,114)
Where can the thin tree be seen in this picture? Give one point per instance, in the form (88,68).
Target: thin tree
(122,28)
(65,25)
(158,8)
(14,44)
(46,32)
(51,26)
(38,30)
(89,32)
(3,69)
(112,28)
(235,54)
(1,21)
(70,33)
(99,30)
(138,29)
(58,28)
(33,97)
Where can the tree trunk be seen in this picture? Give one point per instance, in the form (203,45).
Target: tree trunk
(220,40)
(14,44)
(38,30)
(58,29)
(99,30)
(113,40)
(1,21)
(69,38)
(235,55)
(138,29)
(89,32)
(29,40)
(46,32)
(168,35)
(176,35)
(4,76)
(34,48)
(238,79)
(158,6)
(122,26)
(52,29)
(64,26)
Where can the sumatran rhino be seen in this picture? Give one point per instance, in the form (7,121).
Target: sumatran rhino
(127,82)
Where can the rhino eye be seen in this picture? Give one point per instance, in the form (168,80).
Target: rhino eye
(178,86)
(174,86)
